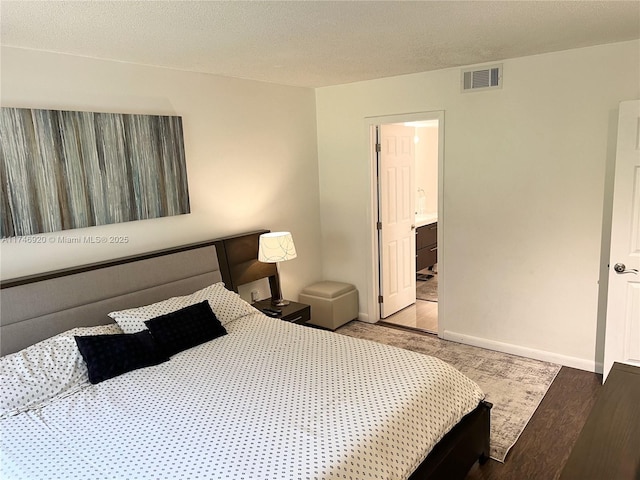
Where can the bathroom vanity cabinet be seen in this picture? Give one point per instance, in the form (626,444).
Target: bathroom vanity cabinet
(426,246)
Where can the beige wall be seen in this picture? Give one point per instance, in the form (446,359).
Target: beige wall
(524,189)
(250,149)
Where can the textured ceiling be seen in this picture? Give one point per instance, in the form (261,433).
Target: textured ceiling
(314,43)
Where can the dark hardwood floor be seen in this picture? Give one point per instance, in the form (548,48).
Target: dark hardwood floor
(543,448)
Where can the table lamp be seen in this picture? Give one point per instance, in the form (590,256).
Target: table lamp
(276,247)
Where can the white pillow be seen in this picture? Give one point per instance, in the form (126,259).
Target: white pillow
(53,368)
(225,304)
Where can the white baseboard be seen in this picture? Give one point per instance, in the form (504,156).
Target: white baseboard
(365,317)
(574,362)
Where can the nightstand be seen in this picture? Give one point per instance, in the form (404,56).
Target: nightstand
(295,312)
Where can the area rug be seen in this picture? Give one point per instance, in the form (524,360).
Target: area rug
(515,385)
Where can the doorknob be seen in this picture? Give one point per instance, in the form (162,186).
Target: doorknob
(413,227)
(622,268)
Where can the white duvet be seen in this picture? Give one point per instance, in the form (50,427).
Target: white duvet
(269,400)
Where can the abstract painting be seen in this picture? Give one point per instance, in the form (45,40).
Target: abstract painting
(61,170)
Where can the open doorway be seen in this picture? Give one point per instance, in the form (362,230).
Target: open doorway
(422,193)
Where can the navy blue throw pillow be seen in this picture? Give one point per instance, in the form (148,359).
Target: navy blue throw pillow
(108,356)
(185,328)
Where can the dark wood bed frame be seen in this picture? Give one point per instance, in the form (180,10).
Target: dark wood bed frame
(451,458)
(238,261)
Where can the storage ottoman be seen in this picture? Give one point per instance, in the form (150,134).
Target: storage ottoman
(332,303)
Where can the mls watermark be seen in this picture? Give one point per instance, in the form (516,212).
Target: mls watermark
(67,239)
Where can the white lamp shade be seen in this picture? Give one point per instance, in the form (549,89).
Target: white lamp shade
(276,247)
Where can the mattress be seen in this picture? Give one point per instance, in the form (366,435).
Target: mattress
(269,400)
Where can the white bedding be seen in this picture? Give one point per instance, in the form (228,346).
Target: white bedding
(269,400)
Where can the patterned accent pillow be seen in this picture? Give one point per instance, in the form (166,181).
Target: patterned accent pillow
(185,328)
(225,304)
(45,371)
(108,356)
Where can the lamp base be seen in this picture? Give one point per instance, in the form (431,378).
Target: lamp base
(279,302)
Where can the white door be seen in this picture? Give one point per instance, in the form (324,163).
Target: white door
(622,336)
(396,170)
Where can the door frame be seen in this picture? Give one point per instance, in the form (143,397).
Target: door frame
(373,269)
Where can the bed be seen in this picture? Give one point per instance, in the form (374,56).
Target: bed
(256,398)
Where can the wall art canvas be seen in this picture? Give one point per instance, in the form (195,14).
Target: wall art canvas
(61,170)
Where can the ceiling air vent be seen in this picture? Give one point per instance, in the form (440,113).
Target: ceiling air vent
(481,78)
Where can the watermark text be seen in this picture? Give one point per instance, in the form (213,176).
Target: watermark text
(67,239)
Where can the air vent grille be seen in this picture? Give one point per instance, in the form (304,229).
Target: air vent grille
(482,78)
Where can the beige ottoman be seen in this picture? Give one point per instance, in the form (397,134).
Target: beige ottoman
(332,303)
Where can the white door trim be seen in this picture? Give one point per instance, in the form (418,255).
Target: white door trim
(372,273)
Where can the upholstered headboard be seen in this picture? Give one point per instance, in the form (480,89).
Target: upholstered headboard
(37,307)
